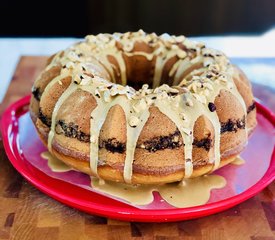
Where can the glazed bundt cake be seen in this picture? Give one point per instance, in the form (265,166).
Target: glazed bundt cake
(141,108)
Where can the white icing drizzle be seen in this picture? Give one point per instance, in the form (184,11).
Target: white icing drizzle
(162,59)
(122,67)
(72,87)
(201,86)
(132,137)
(183,66)
(148,56)
(174,68)
(158,71)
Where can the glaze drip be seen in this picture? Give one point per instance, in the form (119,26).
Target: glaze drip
(188,193)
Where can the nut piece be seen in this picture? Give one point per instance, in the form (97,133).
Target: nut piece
(133,121)
(180,38)
(140,105)
(142,146)
(128,47)
(181,54)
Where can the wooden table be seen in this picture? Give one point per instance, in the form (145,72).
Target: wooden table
(26,213)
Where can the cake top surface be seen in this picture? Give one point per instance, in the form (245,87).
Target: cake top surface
(76,62)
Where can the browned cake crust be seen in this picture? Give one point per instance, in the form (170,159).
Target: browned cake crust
(159,155)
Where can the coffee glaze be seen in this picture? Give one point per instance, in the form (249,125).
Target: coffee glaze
(187,193)
(54,163)
(238,161)
(183,103)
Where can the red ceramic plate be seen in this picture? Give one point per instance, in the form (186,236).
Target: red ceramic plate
(260,151)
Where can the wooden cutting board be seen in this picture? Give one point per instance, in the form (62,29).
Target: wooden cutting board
(26,213)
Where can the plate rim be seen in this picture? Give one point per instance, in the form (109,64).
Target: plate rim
(9,124)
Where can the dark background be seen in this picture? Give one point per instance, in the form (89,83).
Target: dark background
(189,17)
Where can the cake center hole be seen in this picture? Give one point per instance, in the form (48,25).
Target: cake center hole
(140,72)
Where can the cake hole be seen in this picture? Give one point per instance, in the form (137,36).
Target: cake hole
(141,71)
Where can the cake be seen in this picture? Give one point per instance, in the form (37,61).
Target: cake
(141,108)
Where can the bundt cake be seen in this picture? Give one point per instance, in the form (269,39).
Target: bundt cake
(141,108)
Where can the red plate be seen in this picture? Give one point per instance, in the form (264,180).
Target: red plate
(94,203)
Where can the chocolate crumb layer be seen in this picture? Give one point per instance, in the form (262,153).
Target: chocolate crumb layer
(233,125)
(71,130)
(171,141)
(251,107)
(158,143)
(44,119)
(36,93)
(205,143)
(113,145)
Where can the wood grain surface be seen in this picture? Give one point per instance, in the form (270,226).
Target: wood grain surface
(26,213)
